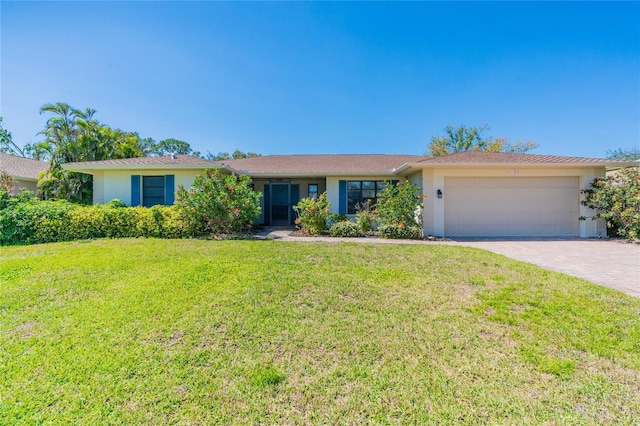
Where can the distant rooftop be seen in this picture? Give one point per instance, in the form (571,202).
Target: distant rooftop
(22,168)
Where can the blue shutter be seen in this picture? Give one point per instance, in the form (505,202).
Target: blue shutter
(342,197)
(169,189)
(294,198)
(135,190)
(266,194)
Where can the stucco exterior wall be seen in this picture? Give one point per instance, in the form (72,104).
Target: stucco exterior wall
(25,185)
(109,185)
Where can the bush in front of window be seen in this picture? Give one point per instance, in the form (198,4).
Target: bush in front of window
(397,231)
(218,204)
(365,217)
(400,204)
(312,214)
(334,218)
(345,229)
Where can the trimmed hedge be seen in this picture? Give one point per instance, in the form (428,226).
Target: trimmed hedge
(400,232)
(345,229)
(25,220)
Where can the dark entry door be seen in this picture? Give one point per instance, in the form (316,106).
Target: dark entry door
(280,204)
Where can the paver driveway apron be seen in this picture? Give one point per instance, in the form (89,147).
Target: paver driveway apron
(614,264)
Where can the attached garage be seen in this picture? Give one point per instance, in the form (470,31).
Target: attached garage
(511,206)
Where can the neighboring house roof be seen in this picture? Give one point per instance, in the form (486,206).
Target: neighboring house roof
(176,161)
(22,168)
(320,165)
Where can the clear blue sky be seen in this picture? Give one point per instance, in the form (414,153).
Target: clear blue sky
(280,78)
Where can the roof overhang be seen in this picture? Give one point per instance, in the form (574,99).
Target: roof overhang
(95,167)
(607,165)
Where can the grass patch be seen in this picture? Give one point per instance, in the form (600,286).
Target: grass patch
(236,332)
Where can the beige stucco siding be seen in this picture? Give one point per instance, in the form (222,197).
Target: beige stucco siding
(110,185)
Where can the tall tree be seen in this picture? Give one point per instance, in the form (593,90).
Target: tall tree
(173,146)
(6,142)
(463,138)
(73,135)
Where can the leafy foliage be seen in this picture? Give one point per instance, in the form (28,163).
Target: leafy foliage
(7,185)
(624,154)
(27,220)
(463,138)
(235,155)
(400,204)
(345,229)
(365,217)
(398,231)
(218,204)
(312,214)
(171,146)
(616,199)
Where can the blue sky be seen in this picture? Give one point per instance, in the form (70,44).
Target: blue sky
(285,78)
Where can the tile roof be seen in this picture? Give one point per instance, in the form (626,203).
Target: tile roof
(485,157)
(165,160)
(22,168)
(321,164)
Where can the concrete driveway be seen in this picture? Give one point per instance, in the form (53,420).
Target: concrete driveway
(614,264)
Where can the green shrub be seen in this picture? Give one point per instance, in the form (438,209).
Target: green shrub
(617,200)
(26,220)
(365,217)
(333,218)
(345,229)
(218,204)
(400,204)
(398,231)
(312,214)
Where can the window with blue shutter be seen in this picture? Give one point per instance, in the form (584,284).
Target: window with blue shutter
(266,193)
(169,189)
(135,190)
(342,197)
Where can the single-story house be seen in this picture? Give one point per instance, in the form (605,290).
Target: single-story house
(24,171)
(468,194)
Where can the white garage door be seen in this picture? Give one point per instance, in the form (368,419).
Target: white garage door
(516,207)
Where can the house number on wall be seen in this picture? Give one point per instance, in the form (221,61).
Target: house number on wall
(514,172)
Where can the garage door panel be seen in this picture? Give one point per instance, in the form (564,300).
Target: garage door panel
(512,206)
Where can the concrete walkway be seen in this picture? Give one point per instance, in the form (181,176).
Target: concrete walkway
(611,263)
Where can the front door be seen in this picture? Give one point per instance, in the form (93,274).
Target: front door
(280,204)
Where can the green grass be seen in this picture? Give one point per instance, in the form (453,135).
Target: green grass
(235,332)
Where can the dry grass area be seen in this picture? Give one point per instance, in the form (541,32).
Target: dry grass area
(236,332)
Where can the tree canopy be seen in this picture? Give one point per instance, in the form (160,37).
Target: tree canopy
(624,154)
(463,138)
(226,156)
(75,135)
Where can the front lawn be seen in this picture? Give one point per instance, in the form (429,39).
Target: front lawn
(207,332)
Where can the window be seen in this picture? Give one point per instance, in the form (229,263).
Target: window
(313,190)
(152,190)
(361,191)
